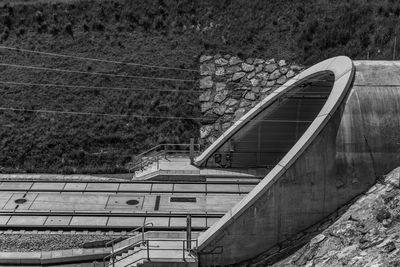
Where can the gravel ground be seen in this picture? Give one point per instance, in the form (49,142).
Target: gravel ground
(37,242)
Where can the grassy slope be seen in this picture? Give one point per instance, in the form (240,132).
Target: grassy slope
(163,32)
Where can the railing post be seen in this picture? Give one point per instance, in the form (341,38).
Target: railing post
(191,151)
(189,232)
(183,249)
(148,251)
(112,257)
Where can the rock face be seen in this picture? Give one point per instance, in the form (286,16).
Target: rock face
(233,86)
(364,233)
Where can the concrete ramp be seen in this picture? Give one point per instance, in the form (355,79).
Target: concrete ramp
(327,133)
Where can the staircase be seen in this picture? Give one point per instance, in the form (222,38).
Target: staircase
(153,249)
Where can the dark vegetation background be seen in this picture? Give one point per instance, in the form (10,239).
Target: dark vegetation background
(162,32)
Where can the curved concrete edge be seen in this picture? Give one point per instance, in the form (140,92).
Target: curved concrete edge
(340,66)
(53,257)
(343,69)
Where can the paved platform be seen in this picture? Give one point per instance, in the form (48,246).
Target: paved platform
(60,205)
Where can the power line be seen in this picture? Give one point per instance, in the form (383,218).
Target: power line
(95,73)
(133,115)
(95,59)
(99,87)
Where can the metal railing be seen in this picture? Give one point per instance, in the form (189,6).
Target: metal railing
(126,248)
(147,244)
(144,159)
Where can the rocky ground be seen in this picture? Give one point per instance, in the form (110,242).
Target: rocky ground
(46,242)
(367,234)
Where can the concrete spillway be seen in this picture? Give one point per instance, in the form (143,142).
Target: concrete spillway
(327,133)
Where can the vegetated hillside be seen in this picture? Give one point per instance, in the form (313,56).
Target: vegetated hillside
(161,32)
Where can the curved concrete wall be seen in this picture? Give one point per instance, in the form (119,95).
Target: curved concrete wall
(353,139)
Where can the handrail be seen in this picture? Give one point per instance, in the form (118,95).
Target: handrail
(129,234)
(112,242)
(147,157)
(147,241)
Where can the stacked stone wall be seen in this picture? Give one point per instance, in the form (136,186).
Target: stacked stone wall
(232,86)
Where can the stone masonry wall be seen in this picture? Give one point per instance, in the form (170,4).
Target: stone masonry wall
(233,86)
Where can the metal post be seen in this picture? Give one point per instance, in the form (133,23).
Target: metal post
(183,249)
(191,151)
(112,257)
(148,252)
(189,232)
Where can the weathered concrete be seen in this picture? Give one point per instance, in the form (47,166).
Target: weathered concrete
(353,139)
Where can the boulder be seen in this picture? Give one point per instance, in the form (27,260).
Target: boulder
(251,75)
(275,75)
(207,69)
(205,130)
(270,67)
(250,96)
(247,67)
(254,82)
(206,106)
(220,110)
(221,96)
(204,97)
(221,62)
(282,63)
(231,102)
(206,82)
(281,80)
(233,69)
(220,71)
(259,68)
(238,75)
(204,58)
(290,74)
(234,61)
(258,61)
(220,86)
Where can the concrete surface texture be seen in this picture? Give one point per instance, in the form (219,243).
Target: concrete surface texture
(350,141)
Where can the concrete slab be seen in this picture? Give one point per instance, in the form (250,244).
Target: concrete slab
(70,202)
(4,198)
(120,202)
(15,185)
(4,219)
(167,205)
(135,187)
(190,187)
(89,221)
(222,188)
(102,187)
(58,220)
(158,221)
(162,187)
(75,186)
(27,220)
(126,221)
(48,186)
(30,197)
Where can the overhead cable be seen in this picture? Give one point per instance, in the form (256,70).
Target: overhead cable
(135,115)
(95,73)
(99,87)
(95,59)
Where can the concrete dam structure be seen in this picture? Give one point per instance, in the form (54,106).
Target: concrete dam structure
(324,137)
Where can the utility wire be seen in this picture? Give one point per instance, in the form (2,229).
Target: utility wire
(95,73)
(94,59)
(132,115)
(99,87)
